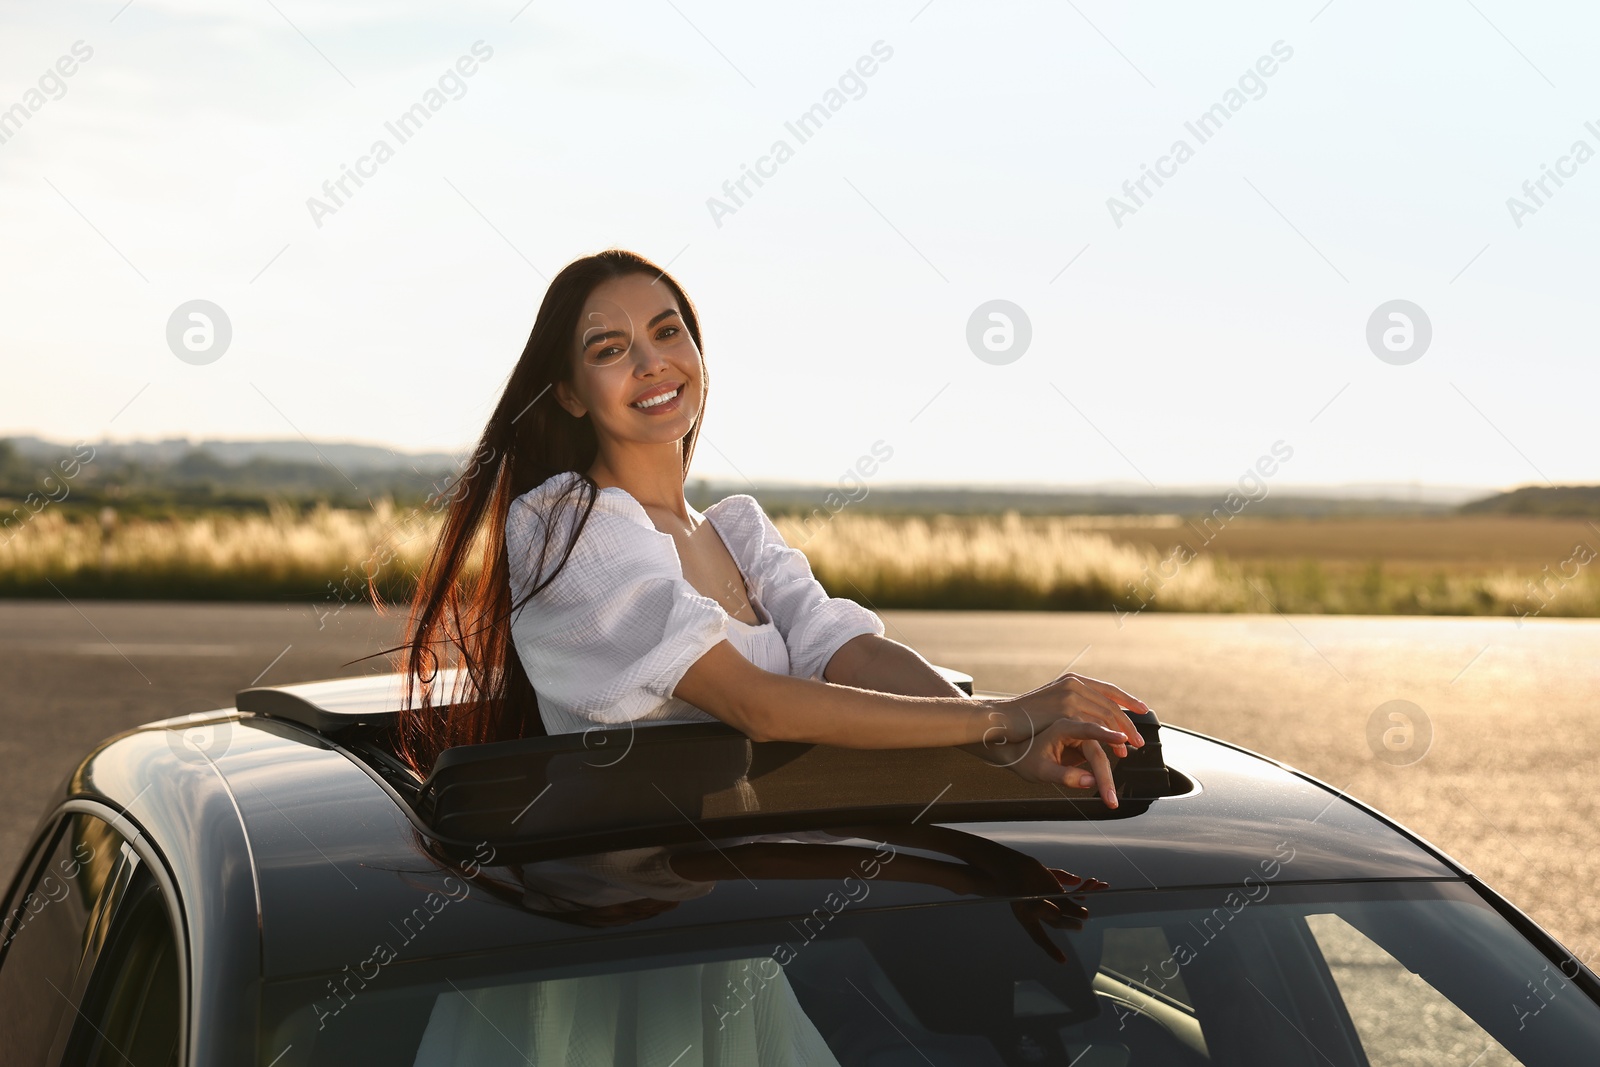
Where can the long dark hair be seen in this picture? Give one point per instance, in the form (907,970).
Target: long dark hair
(464,621)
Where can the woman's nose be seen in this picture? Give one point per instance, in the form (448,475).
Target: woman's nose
(648,358)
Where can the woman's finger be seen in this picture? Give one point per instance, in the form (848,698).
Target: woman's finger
(1116,694)
(1065,911)
(1083,730)
(1028,916)
(1118,719)
(1077,777)
(1120,696)
(1100,717)
(1098,771)
(1085,736)
(1058,711)
(1101,767)
(1087,700)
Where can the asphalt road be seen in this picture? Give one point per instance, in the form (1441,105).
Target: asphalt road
(1497,769)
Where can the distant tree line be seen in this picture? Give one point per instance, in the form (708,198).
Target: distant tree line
(1569,501)
(199,480)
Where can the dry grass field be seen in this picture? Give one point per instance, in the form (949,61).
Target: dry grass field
(1448,542)
(1460,565)
(325,554)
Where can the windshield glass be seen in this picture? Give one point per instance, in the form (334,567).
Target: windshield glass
(1373,973)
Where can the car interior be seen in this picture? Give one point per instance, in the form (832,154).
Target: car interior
(1171,978)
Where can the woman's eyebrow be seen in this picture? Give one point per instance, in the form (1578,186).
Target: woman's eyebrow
(607,335)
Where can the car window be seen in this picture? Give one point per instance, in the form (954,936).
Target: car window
(1402,1020)
(1144,955)
(132,1007)
(47,932)
(1171,978)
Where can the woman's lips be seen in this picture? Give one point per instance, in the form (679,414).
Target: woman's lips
(662,406)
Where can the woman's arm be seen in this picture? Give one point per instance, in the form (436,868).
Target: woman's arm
(1045,725)
(872,662)
(1042,735)
(868,661)
(768,706)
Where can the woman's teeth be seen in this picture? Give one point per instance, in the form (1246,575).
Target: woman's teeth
(662,399)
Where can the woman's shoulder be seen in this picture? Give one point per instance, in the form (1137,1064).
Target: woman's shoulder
(745,526)
(736,517)
(560,484)
(616,536)
(565,490)
(741,512)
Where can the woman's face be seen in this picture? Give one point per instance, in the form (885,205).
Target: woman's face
(631,346)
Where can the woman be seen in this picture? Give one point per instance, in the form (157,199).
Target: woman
(602,598)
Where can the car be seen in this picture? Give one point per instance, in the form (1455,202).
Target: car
(268,884)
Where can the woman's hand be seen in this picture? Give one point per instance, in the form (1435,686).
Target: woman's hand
(1070,696)
(1063,913)
(998,874)
(1069,753)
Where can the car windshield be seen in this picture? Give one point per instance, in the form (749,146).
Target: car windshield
(1365,974)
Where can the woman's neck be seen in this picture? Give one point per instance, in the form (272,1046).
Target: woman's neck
(655,481)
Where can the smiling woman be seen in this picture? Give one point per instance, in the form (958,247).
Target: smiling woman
(601,597)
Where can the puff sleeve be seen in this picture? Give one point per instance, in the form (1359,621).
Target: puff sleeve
(813,624)
(611,636)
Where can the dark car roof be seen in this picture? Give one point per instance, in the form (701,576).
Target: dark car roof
(272,823)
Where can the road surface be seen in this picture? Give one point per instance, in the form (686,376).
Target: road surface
(1497,767)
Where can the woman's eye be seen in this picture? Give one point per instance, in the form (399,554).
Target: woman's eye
(669,331)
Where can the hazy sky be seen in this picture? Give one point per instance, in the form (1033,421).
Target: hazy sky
(1175,336)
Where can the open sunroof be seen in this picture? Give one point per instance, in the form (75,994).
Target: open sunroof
(649,785)
(652,785)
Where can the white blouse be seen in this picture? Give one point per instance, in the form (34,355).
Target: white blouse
(608,640)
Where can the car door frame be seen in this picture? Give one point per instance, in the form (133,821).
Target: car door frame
(135,849)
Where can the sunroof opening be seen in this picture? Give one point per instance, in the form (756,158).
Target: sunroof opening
(649,785)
